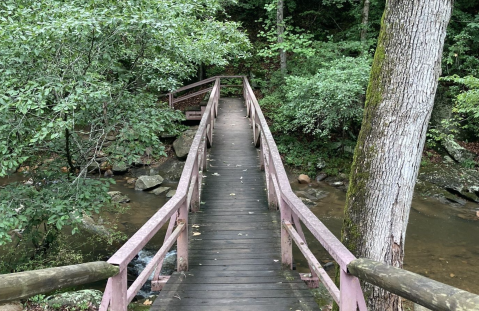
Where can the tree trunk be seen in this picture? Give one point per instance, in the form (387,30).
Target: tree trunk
(399,101)
(365,20)
(280,30)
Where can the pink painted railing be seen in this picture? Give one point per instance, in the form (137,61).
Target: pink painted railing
(280,196)
(117,295)
(349,296)
(171,96)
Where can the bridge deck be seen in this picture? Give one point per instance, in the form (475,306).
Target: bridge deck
(235,260)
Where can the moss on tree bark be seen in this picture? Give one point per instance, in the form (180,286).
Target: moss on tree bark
(399,101)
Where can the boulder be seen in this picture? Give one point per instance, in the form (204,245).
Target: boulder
(83,298)
(304,179)
(183,143)
(171,193)
(450,184)
(148,182)
(304,194)
(160,190)
(120,167)
(172,168)
(89,225)
(457,152)
(321,177)
(108,173)
(131,181)
(117,196)
(317,193)
(307,202)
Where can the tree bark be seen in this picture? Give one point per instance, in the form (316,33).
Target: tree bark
(280,30)
(365,20)
(399,102)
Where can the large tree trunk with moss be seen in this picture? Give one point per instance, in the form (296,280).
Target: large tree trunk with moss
(399,101)
(280,31)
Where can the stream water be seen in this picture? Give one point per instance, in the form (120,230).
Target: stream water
(439,244)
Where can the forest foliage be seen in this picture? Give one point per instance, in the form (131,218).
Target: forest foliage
(75,72)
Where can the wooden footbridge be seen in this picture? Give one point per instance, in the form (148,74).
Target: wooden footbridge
(234,219)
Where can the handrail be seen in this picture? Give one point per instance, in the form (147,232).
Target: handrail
(187,197)
(417,288)
(20,285)
(292,209)
(171,96)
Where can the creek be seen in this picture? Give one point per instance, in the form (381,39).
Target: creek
(439,244)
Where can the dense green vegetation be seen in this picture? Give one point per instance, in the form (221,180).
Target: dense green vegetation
(75,72)
(316,109)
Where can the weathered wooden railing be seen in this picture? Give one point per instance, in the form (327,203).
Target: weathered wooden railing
(424,291)
(349,296)
(171,96)
(117,294)
(26,284)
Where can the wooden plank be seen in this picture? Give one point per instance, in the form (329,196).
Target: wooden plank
(275,293)
(270,302)
(234,251)
(286,307)
(235,261)
(228,287)
(256,255)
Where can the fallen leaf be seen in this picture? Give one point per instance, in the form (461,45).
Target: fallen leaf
(215,174)
(242,178)
(147,302)
(232,194)
(195,226)
(202,202)
(196,233)
(477,213)
(452,275)
(275,260)
(251,213)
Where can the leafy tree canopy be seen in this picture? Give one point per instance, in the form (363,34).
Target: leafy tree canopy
(74,72)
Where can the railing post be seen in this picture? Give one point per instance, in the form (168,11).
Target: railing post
(170,100)
(193,197)
(182,242)
(286,241)
(351,296)
(119,292)
(272,195)
(262,149)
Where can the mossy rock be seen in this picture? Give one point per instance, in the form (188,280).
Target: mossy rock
(81,299)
